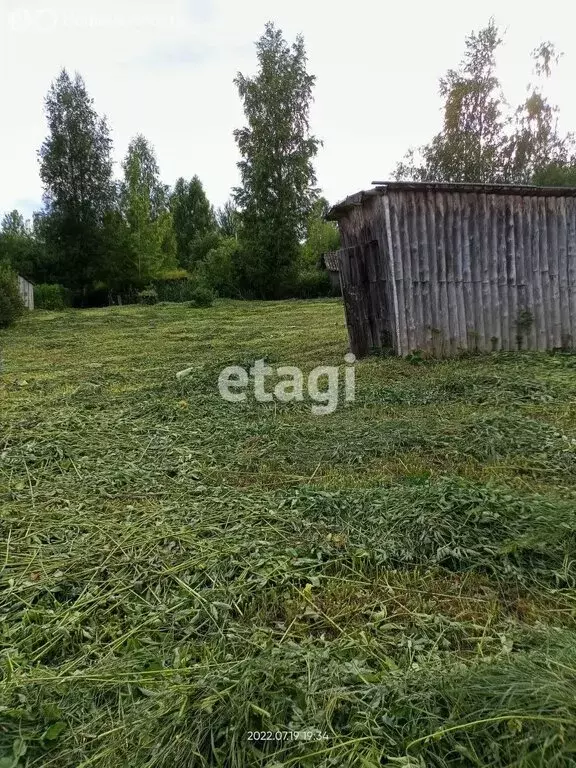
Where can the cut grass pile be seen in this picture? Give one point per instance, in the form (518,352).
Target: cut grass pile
(397,579)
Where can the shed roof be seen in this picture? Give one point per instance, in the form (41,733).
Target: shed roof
(331,261)
(338,210)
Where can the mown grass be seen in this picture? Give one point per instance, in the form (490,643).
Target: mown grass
(396,579)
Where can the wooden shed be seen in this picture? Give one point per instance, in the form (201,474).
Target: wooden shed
(449,268)
(331,261)
(26,288)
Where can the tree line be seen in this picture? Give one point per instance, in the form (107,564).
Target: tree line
(103,239)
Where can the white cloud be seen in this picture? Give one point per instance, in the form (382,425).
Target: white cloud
(166,69)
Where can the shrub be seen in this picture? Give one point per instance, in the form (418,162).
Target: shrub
(51,296)
(177,290)
(11,303)
(174,285)
(202,296)
(148,296)
(219,270)
(324,237)
(313,284)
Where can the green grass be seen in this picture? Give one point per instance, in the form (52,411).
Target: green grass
(397,578)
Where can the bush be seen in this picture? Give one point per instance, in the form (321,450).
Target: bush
(148,296)
(219,270)
(176,291)
(202,296)
(174,285)
(313,284)
(11,303)
(51,296)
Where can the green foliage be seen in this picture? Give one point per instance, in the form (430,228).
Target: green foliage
(11,303)
(51,296)
(194,220)
(148,296)
(174,274)
(203,244)
(321,235)
(175,285)
(470,144)
(556,175)
(228,220)
(148,242)
(202,296)
(313,283)
(119,262)
(481,140)
(220,268)
(277,176)
(174,290)
(76,169)
(536,151)
(142,177)
(19,248)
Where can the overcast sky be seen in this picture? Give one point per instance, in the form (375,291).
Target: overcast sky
(166,69)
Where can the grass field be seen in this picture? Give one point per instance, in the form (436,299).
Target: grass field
(394,582)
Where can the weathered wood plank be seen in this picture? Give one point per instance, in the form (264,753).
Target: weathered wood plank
(563,295)
(406,259)
(444,271)
(530,317)
(404,344)
(571,265)
(496,338)
(539,314)
(511,287)
(424,264)
(553,269)
(417,288)
(476,271)
(444,311)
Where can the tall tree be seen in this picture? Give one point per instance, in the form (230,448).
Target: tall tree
(147,242)
(469,146)
(76,169)
(481,139)
(277,176)
(141,171)
(193,219)
(228,220)
(536,151)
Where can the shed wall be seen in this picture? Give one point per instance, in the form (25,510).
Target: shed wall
(472,271)
(26,289)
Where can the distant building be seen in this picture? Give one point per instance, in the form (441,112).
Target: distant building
(449,268)
(26,289)
(332,267)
